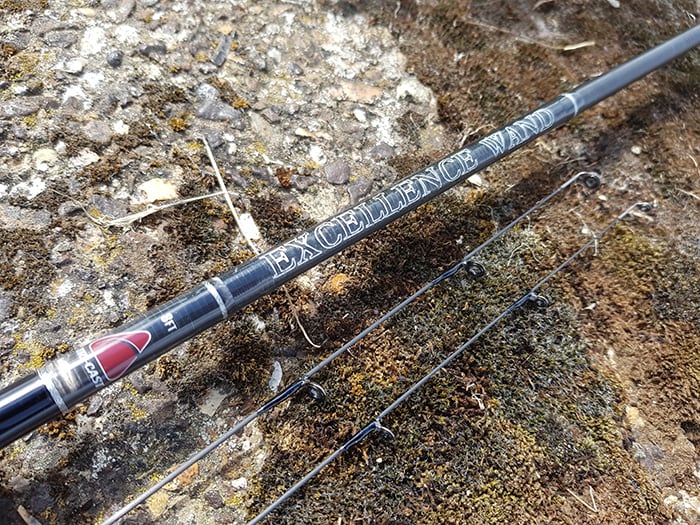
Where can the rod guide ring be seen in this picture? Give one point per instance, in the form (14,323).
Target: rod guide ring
(475,269)
(540,301)
(591,180)
(315,391)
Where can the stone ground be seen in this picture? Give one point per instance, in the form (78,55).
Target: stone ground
(584,413)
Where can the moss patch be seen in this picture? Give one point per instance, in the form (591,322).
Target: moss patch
(503,434)
(25,268)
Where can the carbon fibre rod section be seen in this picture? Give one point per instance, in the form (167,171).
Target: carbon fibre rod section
(68,380)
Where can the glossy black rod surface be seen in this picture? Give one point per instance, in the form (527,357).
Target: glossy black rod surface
(61,384)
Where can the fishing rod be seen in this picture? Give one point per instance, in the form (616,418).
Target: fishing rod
(61,384)
(589,179)
(531,297)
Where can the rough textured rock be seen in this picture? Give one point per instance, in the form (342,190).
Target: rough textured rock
(584,413)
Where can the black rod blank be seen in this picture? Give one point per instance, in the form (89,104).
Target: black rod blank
(61,384)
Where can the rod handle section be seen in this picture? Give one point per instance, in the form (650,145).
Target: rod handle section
(24,406)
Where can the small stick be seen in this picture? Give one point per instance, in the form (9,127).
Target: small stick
(593,508)
(26,517)
(567,47)
(689,194)
(227,196)
(590,491)
(127,220)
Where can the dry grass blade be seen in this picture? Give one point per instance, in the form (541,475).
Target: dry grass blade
(567,47)
(128,220)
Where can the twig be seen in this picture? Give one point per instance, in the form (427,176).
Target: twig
(593,508)
(227,197)
(590,491)
(567,47)
(695,162)
(690,194)
(26,517)
(127,220)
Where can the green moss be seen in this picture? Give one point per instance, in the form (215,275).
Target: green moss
(17,6)
(501,435)
(161,96)
(26,270)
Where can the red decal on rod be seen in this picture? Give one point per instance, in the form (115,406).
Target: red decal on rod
(116,353)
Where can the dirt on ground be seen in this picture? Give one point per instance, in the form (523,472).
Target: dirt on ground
(585,411)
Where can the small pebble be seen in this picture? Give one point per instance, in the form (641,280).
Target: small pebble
(7,343)
(84,158)
(120,127)
(337,172)
(115,58)
(206,92)
(236,178)
(217,110)
(276,377)
(258,62)
(20,90)
(262,173)
(119,10)
(68,208)
(44,158)
(412,89)
(295,69)
(18,40)
(109,206)
(19,133)
(98,131)
(270,115)
(74,66)
(34,86)
(476,180)
(214,499)
(222,50)
(157,189)
(93,41)
(317,154)
(139,382)
(636,150)
(274,54)
(214,138)
(240,483)
(302,182)
(291,108)
(382,151)
(94,406)
(359,189)
(20,107)
(5,306)
(156,48)
(61,38)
